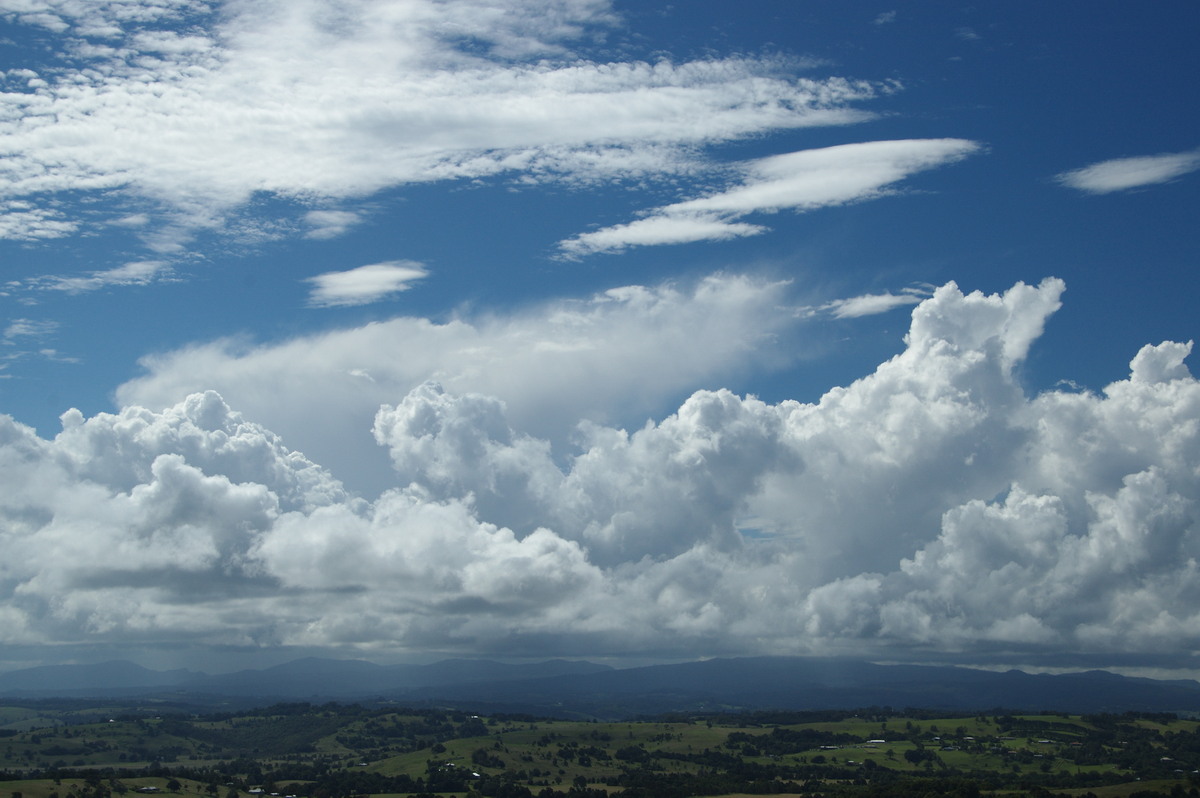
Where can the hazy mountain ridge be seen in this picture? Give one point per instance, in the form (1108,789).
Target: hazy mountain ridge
(302,678)
(580,687)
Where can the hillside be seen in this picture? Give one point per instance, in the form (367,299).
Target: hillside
(587,690)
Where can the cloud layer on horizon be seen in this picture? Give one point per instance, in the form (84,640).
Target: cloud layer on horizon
(929,507)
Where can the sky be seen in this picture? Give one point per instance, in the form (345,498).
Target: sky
(623,331)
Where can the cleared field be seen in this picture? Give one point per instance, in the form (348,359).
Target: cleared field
(335,752)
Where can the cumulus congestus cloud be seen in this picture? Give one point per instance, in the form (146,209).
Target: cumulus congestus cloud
(932,505)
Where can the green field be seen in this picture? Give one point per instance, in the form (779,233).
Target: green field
(335,751)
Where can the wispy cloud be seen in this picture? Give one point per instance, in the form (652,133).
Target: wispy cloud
(20,339)
(1121,174)
(389,96)
(800,181)
(28,328)
(135,273)
(23,221)
(330,224)
(364,285)
(872,304)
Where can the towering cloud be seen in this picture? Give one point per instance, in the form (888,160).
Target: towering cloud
(553,364)
(931,506)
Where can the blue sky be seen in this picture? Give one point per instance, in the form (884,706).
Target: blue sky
(401,329)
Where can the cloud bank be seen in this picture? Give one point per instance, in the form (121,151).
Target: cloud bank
(929,507)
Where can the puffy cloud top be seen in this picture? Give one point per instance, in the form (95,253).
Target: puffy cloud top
(929,507)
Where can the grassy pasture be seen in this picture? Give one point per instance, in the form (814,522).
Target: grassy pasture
(558,754)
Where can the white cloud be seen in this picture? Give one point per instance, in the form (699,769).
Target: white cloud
(135,273)
(330,224)
(363,285)
(553,365)
(308,103)
(656,230)
(21,333)
(654,493)
(101,17)
(28,328)
(870,304)
(133,220)
(929,507)
(22,221)
(1121,174)
(799,181)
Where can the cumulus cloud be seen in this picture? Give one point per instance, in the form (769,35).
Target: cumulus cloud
(553,364)
(653,493)
(363,285)
(930,507)
(800,181)
(1121,174)
(309,103)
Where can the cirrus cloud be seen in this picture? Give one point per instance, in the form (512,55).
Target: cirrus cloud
(801,181)
(260,97)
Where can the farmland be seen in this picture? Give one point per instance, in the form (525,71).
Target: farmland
(64,750)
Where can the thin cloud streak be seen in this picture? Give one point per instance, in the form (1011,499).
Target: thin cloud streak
(870,304)
(1122,174)
(363,285)
(330,224)
(135,273)
(800,181)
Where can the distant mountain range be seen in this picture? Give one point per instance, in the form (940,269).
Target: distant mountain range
(585,689)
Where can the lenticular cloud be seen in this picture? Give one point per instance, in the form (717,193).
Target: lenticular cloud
(932,506)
